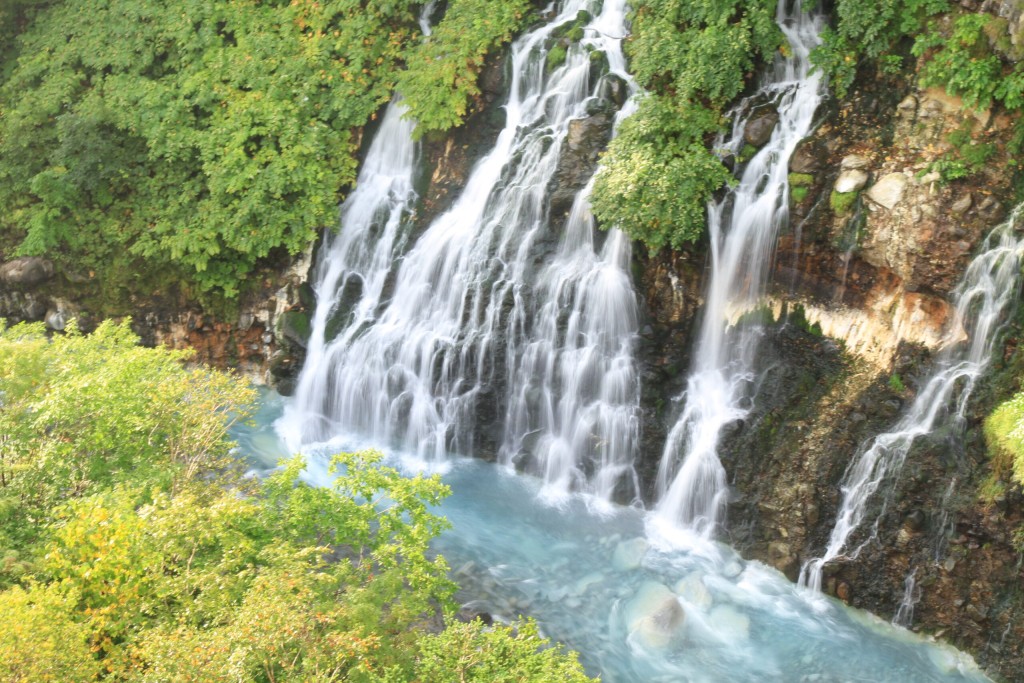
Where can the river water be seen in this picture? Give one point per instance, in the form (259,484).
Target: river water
(590,574)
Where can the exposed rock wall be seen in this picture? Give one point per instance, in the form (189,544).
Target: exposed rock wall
(872,270)
(252,338)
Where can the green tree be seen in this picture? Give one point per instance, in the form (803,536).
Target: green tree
(502,654)
(81,412)
(40,640)
(440,78)
(190,140)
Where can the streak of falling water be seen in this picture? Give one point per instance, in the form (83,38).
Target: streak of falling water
(743,227)
(981,301)
(574,393)
(911,596)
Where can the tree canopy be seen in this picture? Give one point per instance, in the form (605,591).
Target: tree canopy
(694,57)
(132,550)
(202,136)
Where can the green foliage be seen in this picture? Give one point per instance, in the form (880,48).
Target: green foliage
(204,136)
(80,412)
(477,654)
(1004,433)
(896,383)
(40,641)
(658,174)
(701,49)
(964,63)
(964,53)
(746,153)
(966,158)
(155,564)
(218,587)
(872,31)
(440,78)
(842,202)
(695,56)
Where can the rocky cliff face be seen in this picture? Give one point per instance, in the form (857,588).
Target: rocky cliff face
(256,335)
(878,238)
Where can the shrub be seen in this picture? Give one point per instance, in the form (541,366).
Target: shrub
(695,56)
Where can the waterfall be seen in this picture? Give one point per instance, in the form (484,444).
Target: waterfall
(743,227)
(981,301)
(468,304)
(354,262)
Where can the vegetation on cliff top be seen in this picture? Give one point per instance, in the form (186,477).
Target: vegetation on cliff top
(694,57)
(202,136)
(132,550)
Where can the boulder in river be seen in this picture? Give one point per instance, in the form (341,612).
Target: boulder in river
(654,617)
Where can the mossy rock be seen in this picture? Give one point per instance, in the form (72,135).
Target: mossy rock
(294,327)
(747,153)
(556,58)
(842,202)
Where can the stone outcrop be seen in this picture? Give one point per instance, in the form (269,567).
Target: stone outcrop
(247,341)
(583,144)
(27,271)
(760,126)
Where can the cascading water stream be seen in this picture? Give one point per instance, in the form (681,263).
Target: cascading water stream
(360,255)
(743,227)
(981,300)
(463,310)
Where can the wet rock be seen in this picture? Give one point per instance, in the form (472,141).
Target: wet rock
(62,312)
(907,108)
(732,569)
(692,589)
(27,271)
(583,144)
(781,556)
(760,126)
(888,191)
(808,157)
(468,614)
(294,327)
(915,520)
(614,89)
(282,365)
(630,554)
(654,617)
(962,205)
(851,181)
